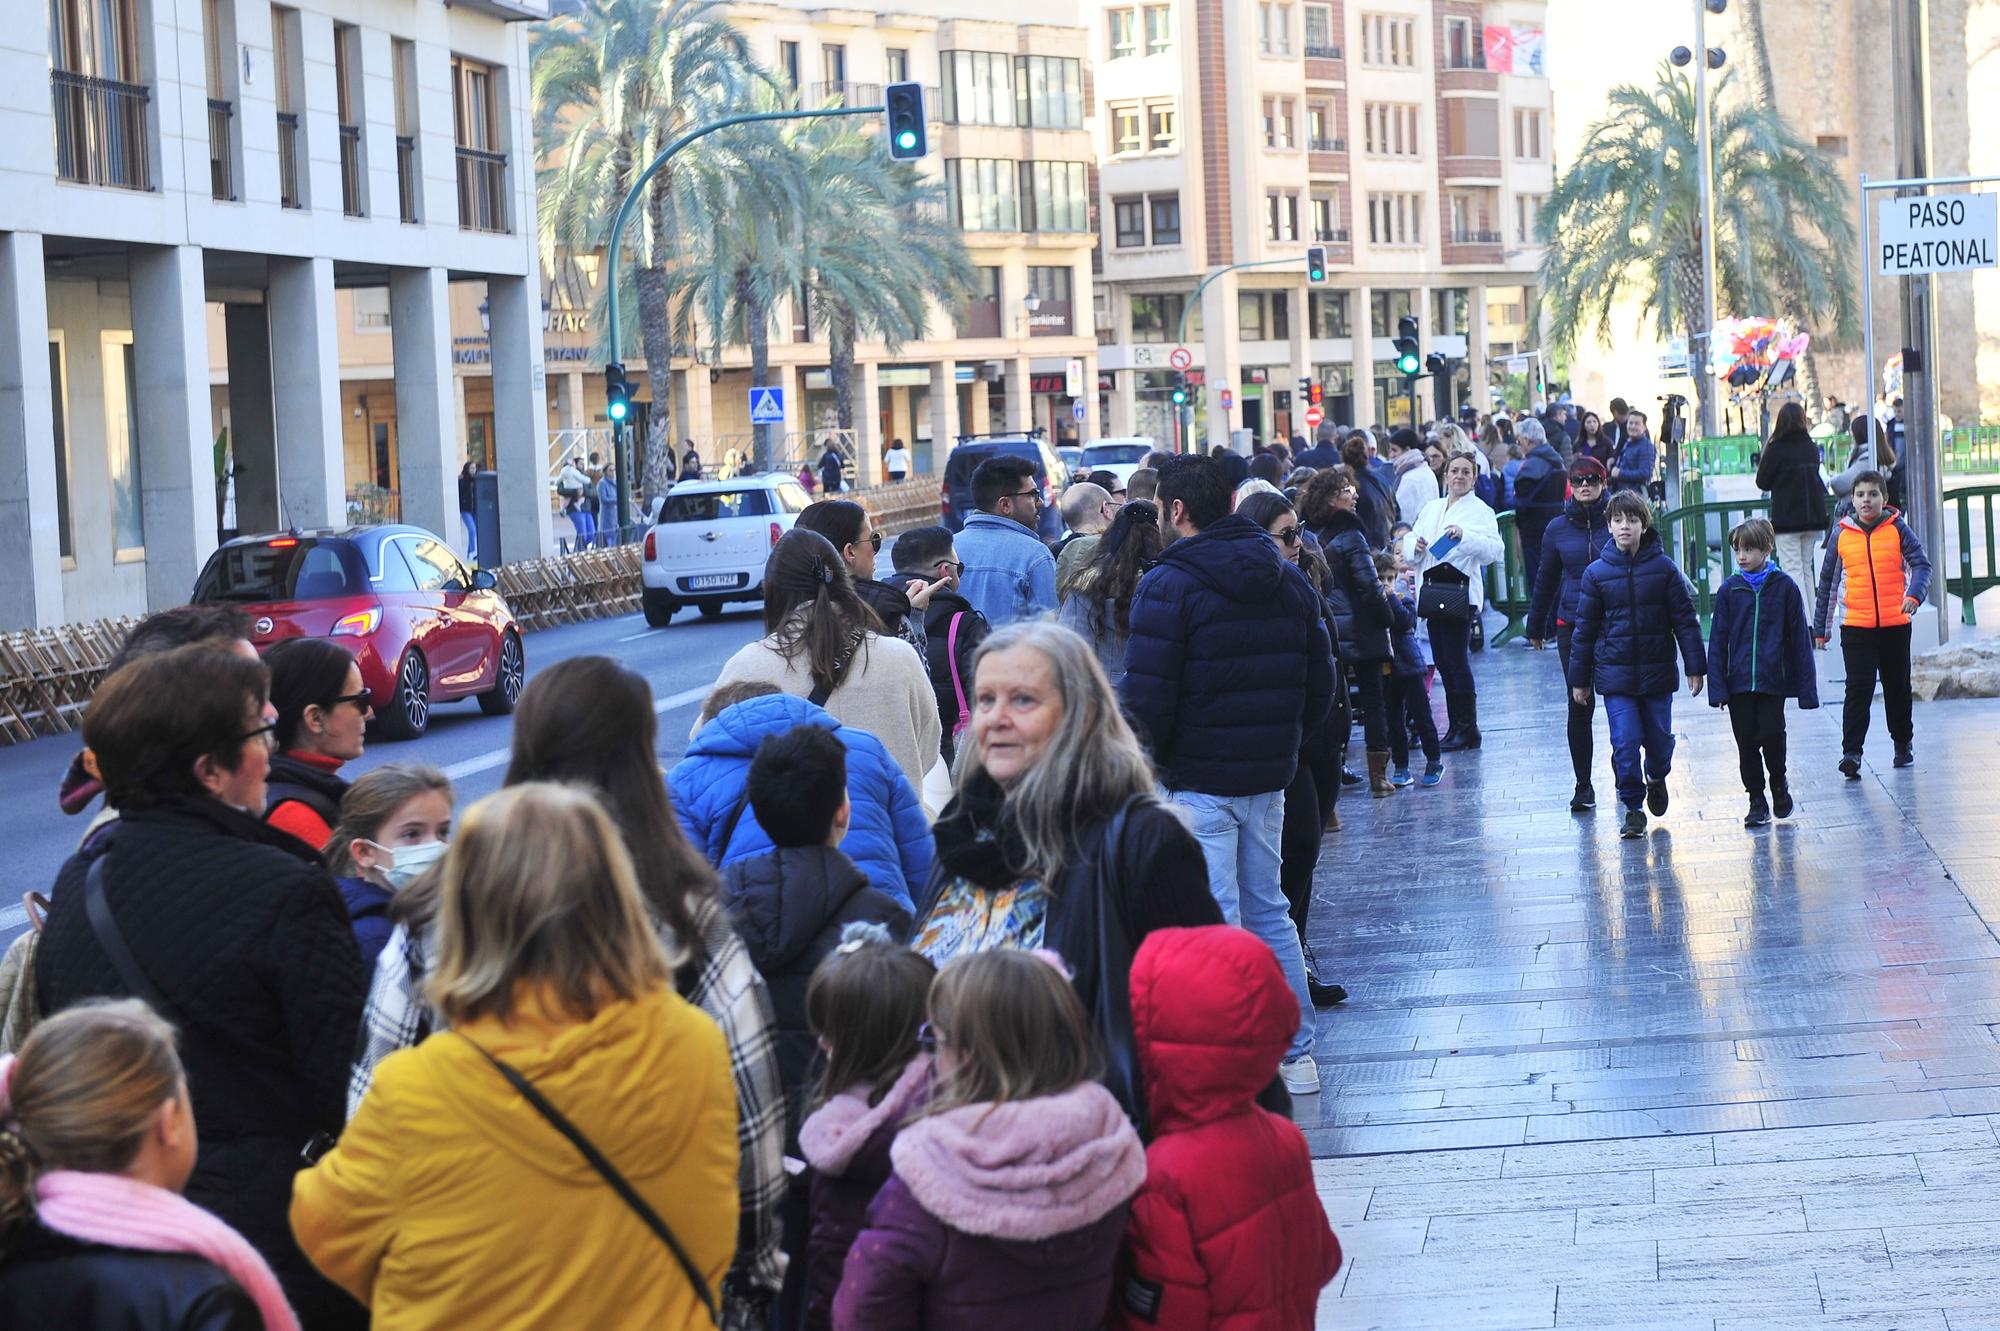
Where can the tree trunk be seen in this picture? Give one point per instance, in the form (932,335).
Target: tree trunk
(840,365)
(757,332)
(1687,294)
(657,342)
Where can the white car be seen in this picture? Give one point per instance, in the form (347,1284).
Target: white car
(709,542)
(1120,457)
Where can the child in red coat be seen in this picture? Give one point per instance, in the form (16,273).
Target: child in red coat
(1228,1233)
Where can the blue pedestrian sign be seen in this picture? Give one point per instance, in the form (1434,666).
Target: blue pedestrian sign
(1076,412)
(767,406)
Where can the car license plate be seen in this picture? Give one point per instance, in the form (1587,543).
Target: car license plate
(709,580)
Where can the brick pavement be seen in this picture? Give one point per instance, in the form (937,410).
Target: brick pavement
(1712,1079)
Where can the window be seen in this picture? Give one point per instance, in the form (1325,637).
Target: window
(1163,126)
(1048,92)
(1395,219)
(1166,209)
(1463,43)
(1386,309)
(403,67)
(1129,221)
(1132,212)
(1390,130)
(1833,145)
(59,384)
(292,178)
(121,445)
(1125,133)
(1281,215)
(1279,117)
(1055,196)
(1319,127)
(1263,316)
(982,306)
(1471,127)
(896,64)
(1326,219)
(1159,29)
(218,75)
(371,309)
(1451,311)
(788,60)
(482,168)
(1388,41)
(978,87)
(1274,28)
(347,111)
(980,192)
(1319,32)
(1528,134)
(833,64)
(1527,218)
(1156,316)
(1329,313)
(1472,221)
(1056,287)
(1122,27)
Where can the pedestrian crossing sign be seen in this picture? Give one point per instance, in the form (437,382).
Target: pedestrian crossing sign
(767,406)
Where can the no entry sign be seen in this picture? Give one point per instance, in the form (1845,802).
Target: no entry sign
(1938,233)
(1313,417)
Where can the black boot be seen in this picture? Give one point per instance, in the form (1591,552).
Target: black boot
(1466,734)
(1449,740)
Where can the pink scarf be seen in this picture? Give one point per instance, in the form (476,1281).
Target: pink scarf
(125,1213)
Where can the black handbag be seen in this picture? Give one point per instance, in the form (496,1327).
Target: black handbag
(1111,1013)
(1446,594)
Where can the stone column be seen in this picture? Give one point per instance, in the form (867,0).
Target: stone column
(30,537)
(1093,422)
(944,411)
(1475,350)
(428,456)
(698,423)
(1359,317)
(176,443)
(305,394)
(1301,328)
(982,407)
(868,439)
(1019,416)
(1125,403)
(1222,363)
(253,432)
(520,416)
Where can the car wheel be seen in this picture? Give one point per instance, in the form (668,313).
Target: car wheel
(659,608)
(506,691)
(409,712)
(711,610)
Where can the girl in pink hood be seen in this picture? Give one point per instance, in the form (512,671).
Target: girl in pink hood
(1009,1195)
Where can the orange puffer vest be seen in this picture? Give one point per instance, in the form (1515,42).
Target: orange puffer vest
(1873,563)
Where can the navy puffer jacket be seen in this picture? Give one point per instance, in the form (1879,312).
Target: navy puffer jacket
(1759,641)
(1631,611)
(1570,544)
(1360,607)
(1229,662)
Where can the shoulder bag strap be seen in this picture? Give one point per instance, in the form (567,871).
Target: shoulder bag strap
(609,1173)
(821,692)
(729,825)
(951,660)
(113,943)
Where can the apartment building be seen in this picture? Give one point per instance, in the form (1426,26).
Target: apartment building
(1242,133)
(201,184)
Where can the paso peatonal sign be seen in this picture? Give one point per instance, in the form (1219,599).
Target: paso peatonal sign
(1938,233)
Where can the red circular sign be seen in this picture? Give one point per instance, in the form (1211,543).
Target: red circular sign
(1181,359)
(1313,416)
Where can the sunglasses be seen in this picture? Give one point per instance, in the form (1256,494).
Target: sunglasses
(1287,535)
(875,541)
(1586,480)
(358,699)
(957,569)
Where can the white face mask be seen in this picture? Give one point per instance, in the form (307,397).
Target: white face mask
(404,863)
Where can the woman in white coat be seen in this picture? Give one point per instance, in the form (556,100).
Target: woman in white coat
(1462,522)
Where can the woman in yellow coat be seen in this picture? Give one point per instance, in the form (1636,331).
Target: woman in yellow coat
(451,1201)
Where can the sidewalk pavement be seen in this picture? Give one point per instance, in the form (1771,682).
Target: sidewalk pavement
(1714,1078)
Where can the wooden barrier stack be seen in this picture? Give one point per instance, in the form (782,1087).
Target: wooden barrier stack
(566,589)
(47,675)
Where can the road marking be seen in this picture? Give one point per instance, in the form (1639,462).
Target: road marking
(486,762)
(634,637)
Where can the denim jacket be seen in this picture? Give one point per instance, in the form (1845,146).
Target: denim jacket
(1009,574)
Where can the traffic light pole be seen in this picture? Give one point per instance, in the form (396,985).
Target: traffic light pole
(1184,415)
(624,215)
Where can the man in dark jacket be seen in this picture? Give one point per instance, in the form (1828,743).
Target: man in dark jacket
(1228,666)
(1570,544)
(1539,489)
(953,630)
(1323,454)
(1635,458)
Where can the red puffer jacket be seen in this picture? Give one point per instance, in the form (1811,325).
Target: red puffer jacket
(1228,1233)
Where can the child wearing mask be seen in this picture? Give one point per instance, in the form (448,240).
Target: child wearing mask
(394,823)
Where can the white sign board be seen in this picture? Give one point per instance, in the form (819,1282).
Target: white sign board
(767,405)
(1938,233)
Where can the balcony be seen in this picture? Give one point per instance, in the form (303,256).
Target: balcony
(1326,145)
(101,131)
(1463,60)
(482,190)
(350,171)
(221,180)
(406,176)
(1472,245)
(1326,156)
(1322,51)
(843,94)
(1339,235)
(1463,168)
(288,160)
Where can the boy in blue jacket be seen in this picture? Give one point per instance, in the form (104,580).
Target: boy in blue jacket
(1409,701)
(1632,610)
(1762,651)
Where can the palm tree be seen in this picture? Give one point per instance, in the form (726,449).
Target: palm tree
(1625,221)
(612,85)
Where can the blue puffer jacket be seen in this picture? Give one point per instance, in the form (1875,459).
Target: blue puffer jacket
(1403,636)
(1759,641)
(1229,662)
(1631,610)
(1569,546)
(888,836)
(1009,574)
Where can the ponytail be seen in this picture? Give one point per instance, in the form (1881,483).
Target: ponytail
(811,608)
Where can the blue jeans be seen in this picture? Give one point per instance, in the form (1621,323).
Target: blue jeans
(1646,721)
(586,527)
(471,536)
(1241,837)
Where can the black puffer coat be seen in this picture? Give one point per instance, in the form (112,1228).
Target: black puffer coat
(1789,470)
(246,939)
(1631,612)
(54,1281)
(1360,607)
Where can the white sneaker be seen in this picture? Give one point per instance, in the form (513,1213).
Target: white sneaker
(1301,1075)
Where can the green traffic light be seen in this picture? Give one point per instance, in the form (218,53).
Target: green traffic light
(616,410)
(1406,364)
(906,140)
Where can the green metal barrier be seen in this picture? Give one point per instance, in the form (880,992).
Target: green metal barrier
(1972,450)
(1968,582)
(1726,455)
(1696,537)
(1509,584)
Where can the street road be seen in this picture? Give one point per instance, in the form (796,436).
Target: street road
(679,661)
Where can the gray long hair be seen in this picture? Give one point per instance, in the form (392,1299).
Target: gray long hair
(1092,765)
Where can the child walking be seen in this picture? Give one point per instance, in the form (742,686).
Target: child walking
(1009,1196)
(1211,1017)
(1883,575)
(1760,653)
(866,1004)
(1409,700)
(1632,608)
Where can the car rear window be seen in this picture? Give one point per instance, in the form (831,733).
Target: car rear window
(284,569)
(966,459)
(1111,455)
(715,505)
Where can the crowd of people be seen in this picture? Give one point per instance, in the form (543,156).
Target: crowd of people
(957,976)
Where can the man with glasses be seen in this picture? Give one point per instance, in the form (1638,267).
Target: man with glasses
(1087,510)
(1569,544)
(1009,574)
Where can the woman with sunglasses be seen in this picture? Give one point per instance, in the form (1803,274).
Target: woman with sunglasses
(1099,604)
(1360,608)
(1569,545)
(852,530)
(323,715)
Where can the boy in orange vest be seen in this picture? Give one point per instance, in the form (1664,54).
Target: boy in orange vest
(1886,574)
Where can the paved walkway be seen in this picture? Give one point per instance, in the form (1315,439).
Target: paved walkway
(1711,1079)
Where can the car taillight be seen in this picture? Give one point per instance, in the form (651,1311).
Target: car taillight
(359,624)
(284,541)
(776,532)
(652,549)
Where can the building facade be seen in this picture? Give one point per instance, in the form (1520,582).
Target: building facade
(1410,138)
(187,194)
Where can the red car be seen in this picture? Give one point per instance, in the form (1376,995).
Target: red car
(423,627)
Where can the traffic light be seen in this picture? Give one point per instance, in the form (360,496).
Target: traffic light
(617,394)
(1409,358)
(1179,386)
(1315,393)
(1316,264)
(903,108)
(1438,363)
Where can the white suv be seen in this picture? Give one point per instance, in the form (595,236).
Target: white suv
(708,545)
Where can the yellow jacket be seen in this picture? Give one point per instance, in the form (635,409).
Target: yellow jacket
(451,1203)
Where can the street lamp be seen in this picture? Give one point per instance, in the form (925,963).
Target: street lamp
(1030,302)
(1712,58)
